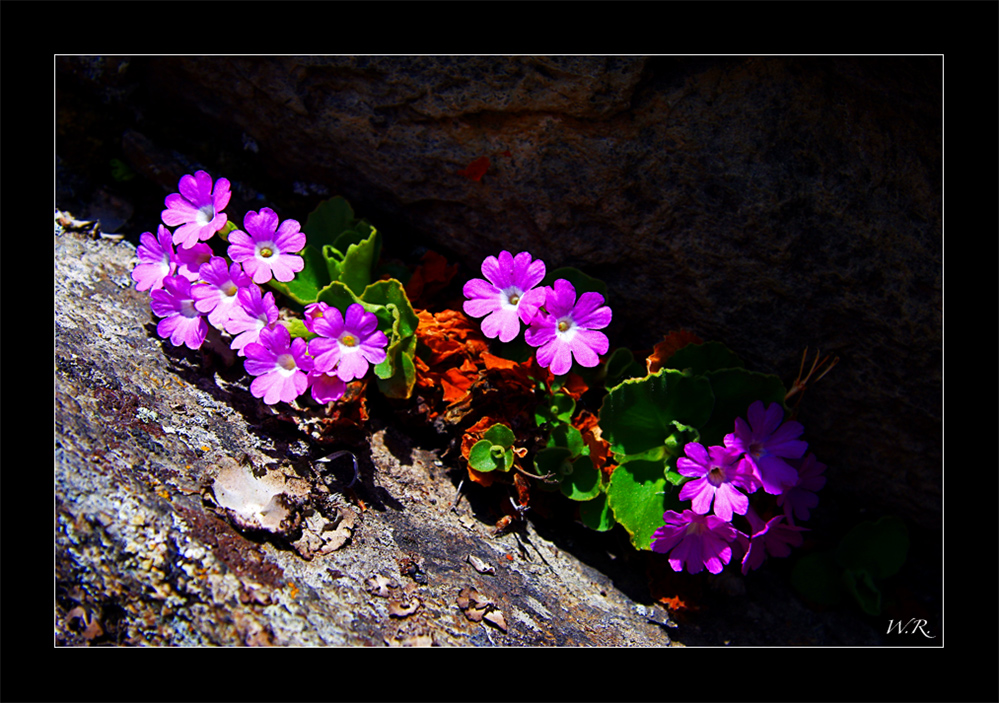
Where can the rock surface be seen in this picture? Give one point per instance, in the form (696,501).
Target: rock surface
(772,204)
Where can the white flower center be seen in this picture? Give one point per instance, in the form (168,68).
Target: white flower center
(287,362)
(565,328)
(266,250)
(187,308)
(230,289)
(205,214)
(510,297)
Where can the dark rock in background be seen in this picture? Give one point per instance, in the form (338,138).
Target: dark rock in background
(768,203)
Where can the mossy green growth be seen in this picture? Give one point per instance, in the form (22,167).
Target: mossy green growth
(494,452)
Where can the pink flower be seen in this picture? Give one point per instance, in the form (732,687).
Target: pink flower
(800,498)
(267,250)
(181,323)
(720,476)
(252,313)
(770,537)
(217,295)
(196,208)
(156,260)
(326,387)
(766,443)
(566,329)
(700,541)
(280,364)
(190,261)
(508,296)
(347,344)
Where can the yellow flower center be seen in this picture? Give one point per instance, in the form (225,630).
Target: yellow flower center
(514,299)
(348,340)
(563,325)
(266,252)
(287,362)
(230,289)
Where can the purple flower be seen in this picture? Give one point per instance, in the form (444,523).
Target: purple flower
(800,498)
(181,323)
(196,208)
(280,365)
(156,260)
(567,329)
(770,537)
(326,387)
(190,261)
(347,344)
(252,313)
(508,295)
(217,295)
(699,540)
(766,443)
(267,250)
(720,476)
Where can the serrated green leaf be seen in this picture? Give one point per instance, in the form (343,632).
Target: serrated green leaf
(359,262)
(584,481)
(637,415)
(639,496)
(328,221)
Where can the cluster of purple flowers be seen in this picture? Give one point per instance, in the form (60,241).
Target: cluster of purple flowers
(763,453)
(562,327)
(190,289)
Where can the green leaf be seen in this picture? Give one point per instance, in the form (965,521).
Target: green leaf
(305,286)
(584,481)
(860,584)
(402,377)
(359,262)
(328,221)
(481,456)
(596,514)
(637,415)
(734,391)
(569,437)
(639,496)
(501,435)
(701,358)
(297,329)
(555,461)
(816,577)
(486,456)
(558,408)
(877,548)
(391,293)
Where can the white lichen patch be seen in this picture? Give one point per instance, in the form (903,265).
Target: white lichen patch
(267,502)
